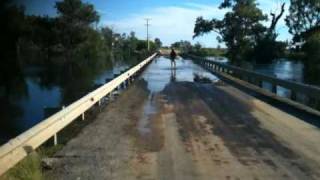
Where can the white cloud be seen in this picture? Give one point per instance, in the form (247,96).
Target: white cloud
(170,24)
(174,23)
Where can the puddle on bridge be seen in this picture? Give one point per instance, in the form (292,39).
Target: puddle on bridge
(159,74)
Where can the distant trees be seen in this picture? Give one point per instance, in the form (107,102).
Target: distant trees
(241,29)
(158,43)
(186,47)
(69,42)
(70,37)
(107,34)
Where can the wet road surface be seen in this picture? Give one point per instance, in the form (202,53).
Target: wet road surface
(166,126)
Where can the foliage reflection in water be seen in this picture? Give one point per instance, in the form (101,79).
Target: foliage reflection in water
(43,91)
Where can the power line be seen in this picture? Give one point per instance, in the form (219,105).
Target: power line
(148,24)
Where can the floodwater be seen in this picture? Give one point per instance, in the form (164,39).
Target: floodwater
(40,95)
(159,74)
(285,69)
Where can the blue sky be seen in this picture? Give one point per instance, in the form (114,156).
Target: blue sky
(171,20)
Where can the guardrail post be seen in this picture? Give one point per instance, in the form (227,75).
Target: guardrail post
(55,139)
(110,96)
(55,136)
(82,116)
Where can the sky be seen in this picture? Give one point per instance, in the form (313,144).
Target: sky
(171,20)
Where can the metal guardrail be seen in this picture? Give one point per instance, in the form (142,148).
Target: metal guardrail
(16,149)
(309,91)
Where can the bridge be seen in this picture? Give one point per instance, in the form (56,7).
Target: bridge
(202,120)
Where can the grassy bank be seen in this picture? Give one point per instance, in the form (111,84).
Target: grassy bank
(30,168)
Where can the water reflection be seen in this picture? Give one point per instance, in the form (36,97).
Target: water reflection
(282,69)
(159,74)
(285,69)
(40,91)
(38,99)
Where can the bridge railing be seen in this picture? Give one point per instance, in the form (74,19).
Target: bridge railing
(312,93)
(16,149)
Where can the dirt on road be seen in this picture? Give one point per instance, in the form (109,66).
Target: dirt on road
(197,132)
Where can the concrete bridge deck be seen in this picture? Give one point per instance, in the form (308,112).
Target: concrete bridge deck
(168,127)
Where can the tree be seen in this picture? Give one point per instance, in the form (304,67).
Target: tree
(268,42)
(183,46)
(158,43)
(303,18)
(75,19)
(304,23)
(275,20)
(42,35)
(132,42)
(239,29)
(107,34)
(13,26)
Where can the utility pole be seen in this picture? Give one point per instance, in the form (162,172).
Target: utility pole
(147,24)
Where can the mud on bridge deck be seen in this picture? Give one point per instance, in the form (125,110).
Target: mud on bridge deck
(168,127)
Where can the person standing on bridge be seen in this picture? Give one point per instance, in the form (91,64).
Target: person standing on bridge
(173,56)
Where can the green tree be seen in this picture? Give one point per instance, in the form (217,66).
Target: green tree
(183,46)
(158,43)
(132,42)
(75,19)
(239,29)
(13,26)
(303,18)
(107,34)
(304,23)
(42,36)
(268,42)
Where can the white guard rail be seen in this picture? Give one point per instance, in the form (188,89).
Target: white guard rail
(16,149)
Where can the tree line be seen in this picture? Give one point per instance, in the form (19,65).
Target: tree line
(197,49)
(72,41)
(72,34)
(246,36)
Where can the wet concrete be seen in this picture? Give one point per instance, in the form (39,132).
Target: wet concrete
(231,120)
(166,126)
(159,74)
